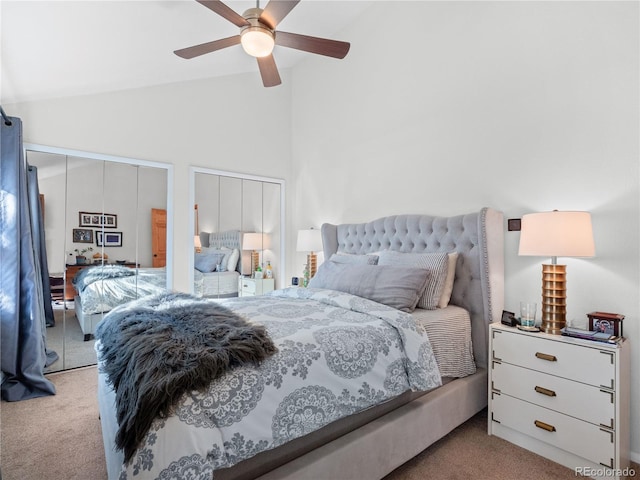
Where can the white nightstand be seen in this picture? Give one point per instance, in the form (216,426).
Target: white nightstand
(249,287)
(563,398)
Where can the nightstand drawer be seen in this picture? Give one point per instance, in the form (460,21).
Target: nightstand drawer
(567,433)
(590,365)
(559,394)
(248,286)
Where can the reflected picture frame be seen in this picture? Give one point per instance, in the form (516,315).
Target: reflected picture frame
(82,235)
(99,219)
(108,239)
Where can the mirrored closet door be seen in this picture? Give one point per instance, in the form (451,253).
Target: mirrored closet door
(238,225)
(105,223)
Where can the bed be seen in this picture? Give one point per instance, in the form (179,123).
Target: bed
(218,264)
(372,440)
(103,287)
(100,288)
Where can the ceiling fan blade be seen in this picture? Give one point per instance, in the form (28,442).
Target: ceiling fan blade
(197,50)
(224,11)
(276,10)
(269,71)
(321,46)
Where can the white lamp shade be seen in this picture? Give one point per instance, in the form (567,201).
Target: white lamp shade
(309,240)
(557,234)
(252,241)
(257,41)
(196,241)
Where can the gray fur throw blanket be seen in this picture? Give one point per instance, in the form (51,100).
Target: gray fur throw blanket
(159,347)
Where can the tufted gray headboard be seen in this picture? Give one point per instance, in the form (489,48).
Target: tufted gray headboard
(477,237)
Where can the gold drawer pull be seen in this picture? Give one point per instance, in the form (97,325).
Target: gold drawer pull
(545,391)
(546,356)
(544,426)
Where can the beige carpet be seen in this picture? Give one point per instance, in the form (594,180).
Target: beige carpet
(59,438)
(67,340)
(56,437)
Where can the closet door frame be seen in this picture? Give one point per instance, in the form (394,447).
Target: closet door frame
(281,283)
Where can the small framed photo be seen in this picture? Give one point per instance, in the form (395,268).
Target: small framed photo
(106,220)
(82,235)
(604,322)
(108,239)
(509,318)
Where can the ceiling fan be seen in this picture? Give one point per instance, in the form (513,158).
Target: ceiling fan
(258,36)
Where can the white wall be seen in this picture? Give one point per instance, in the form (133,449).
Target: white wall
(446,107)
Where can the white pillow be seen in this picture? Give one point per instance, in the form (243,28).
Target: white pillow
(233,260)
(436,263)
(445,298)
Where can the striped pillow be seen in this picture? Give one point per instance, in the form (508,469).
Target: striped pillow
(436,263)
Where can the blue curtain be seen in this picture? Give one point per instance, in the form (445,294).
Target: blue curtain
(22,300)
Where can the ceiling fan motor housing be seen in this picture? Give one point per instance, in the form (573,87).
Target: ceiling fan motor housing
(257,38)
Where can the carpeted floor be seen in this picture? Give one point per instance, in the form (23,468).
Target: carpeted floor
(67,340)
(56,437)
(59,438)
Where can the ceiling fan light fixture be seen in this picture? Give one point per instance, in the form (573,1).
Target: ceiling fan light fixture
(257,41)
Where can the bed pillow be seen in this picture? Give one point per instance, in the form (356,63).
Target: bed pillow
(351,258)
(232,263)
(206,262)
(397,287)
(220,251)
(436,263)
(445,298)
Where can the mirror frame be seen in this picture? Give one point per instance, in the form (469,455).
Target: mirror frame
(243,176)
(33,147)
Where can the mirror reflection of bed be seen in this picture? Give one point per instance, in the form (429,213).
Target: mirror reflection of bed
(71,182)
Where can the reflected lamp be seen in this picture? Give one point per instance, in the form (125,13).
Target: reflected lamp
(253,242)
(196,237)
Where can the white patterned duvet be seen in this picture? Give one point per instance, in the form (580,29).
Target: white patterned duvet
(338,354)
(102,288)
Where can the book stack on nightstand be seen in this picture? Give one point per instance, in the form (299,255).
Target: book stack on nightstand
(564,398)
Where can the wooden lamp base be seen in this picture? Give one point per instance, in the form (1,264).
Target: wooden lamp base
(255,261)
(312,264)
(554,298)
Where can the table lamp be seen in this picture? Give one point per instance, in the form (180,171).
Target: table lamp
(196,237)
(556,234)
(310,241)
(253,242)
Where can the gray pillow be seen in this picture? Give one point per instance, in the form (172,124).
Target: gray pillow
(397,287)
(436,263)
(207,262)
(218,251)
(351,258)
